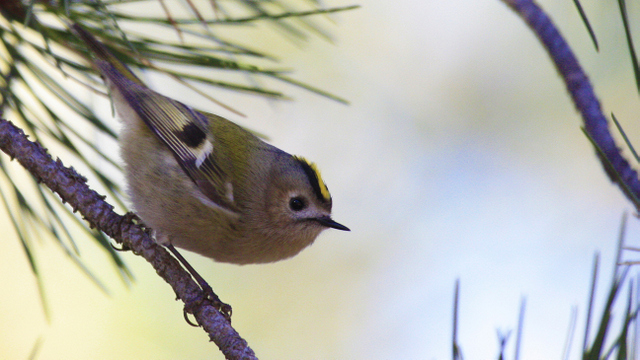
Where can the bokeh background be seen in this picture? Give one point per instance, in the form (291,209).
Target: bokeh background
(460,156)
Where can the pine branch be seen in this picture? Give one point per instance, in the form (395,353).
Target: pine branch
(72,189)
(595,125)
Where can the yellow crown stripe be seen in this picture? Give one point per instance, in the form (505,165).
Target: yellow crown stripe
(323,187)
(317,178)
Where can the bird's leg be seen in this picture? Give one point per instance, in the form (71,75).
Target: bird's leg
(225,309)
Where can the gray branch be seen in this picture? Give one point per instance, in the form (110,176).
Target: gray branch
(72,189)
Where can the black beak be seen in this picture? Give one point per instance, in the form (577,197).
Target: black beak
(328,222)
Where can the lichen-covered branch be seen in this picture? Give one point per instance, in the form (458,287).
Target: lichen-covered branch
(72,189)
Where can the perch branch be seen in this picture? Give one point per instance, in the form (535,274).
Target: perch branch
(72,189)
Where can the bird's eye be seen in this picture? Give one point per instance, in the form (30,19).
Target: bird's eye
(297,203)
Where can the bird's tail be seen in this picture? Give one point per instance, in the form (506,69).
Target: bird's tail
(101,53)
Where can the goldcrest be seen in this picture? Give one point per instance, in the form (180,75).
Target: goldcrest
(207,185)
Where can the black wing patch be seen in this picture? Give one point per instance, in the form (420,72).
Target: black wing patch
(184,131)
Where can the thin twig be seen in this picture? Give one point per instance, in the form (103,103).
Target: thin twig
(596,126)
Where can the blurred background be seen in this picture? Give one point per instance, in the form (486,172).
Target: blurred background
(460,156)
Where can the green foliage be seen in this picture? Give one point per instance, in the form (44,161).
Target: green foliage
(585,20)
(607,342)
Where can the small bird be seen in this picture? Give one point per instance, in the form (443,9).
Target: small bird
(205,184)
